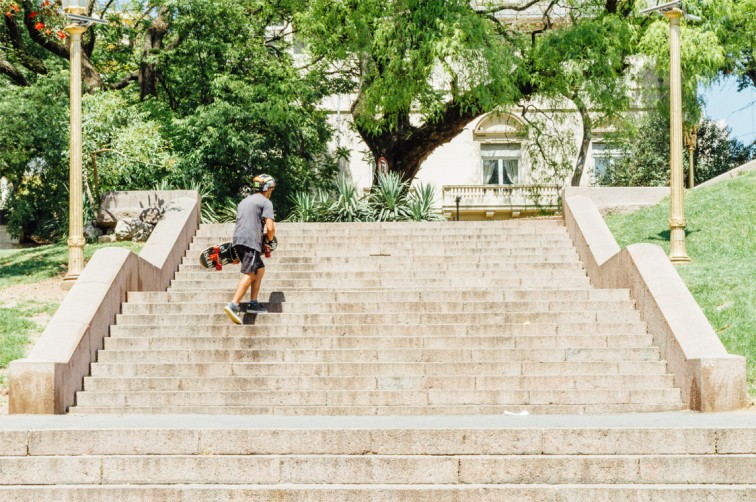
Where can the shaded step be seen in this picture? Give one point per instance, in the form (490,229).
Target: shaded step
(404,296)
(397,369)
(445,283)
(481,382)
(136,342)
(451,306)
(409,276)
(226,328)
(382,411)
(382,355)
(385,318)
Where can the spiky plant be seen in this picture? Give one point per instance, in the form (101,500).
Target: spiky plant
(388,199)
(420,204)
(348,205)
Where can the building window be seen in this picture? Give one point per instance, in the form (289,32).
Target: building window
(501,164)
(603,157)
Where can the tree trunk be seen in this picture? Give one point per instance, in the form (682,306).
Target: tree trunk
(584,142)
(406,148)
(153,42)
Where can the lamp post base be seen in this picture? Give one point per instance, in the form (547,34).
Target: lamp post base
(68,282)
(678,254)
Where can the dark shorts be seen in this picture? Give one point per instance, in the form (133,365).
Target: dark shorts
(250,259)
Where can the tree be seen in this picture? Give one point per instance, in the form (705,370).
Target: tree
(716,152)
(421,70)
(734,22)
(644,160)
(177,91)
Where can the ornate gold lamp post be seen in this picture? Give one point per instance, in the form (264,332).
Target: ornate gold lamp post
(75,10)
(677,251)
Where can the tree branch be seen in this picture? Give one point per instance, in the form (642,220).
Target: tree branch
(125,81)
(17,41)
(514,7)
(12,72)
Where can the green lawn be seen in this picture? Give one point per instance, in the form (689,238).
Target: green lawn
(25,266)
(721,241)
(34,264)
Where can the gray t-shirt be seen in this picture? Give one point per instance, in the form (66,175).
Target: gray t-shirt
(249,220)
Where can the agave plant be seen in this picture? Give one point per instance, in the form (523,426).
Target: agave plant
(348,205)
(309,207)
(420,204)
(389,199)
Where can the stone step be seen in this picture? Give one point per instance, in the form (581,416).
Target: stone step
(385,411)
(400,229)
(383,469)
(389,306)
(396,369)
(684,433)
(496,318)
(373,382)
(346,398)
(418,253)
(424,284)
(508,240)
(137,342)
(294,296)
(273,273)
(407,261)
(453,355)
(426,330)
(253,492)
(433,268)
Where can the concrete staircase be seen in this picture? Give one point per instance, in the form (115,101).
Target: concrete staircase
(386,319)
(661,457)
(456,324)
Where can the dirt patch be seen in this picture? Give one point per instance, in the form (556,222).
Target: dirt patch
(48,291)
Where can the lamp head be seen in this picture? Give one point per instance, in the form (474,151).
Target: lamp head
(75,6)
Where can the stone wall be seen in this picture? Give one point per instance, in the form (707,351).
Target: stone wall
(47,380)
(710,379)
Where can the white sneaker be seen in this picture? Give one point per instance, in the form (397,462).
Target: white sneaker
(232,310)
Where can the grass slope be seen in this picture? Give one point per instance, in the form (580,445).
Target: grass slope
(721,241)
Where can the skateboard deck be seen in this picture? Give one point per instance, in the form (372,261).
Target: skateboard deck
(218,255)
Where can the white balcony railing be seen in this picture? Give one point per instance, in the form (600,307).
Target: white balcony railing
(514,198)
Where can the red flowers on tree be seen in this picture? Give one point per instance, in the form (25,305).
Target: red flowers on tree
(39,26)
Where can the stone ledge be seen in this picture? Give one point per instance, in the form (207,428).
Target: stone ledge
(710,379)
(47,380)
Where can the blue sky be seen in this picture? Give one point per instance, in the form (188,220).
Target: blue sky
(738,109)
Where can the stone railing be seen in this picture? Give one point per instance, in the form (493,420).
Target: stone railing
(710,379)
(47,380)
(491,200)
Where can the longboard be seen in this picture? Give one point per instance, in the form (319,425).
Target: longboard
(218,255)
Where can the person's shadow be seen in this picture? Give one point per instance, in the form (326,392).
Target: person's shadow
(274,305)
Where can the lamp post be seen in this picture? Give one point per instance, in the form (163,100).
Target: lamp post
(673,12)
(677,251)
(76,211)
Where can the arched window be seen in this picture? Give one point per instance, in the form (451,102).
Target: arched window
(500,137)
